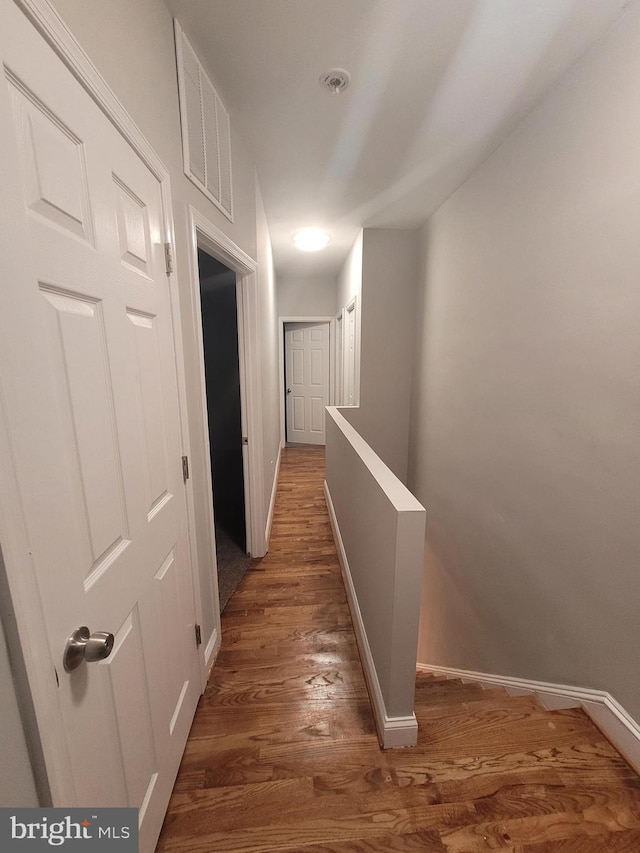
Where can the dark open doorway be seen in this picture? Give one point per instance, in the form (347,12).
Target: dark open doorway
(222,372)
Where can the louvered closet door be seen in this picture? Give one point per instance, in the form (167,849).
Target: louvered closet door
(89,385)
(206,129)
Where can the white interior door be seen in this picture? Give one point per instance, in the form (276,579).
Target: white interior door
(89,387)
(306,381)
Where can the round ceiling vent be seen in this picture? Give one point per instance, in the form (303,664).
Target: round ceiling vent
(335,80)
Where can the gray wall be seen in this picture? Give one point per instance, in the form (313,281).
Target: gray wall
(23,779)
(307,296)
(350,276)
(17,787)
(525,443)
(387,306)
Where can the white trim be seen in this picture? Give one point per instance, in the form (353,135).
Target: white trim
(332,332)
(204,233)
(209,558)
(393,732)
(244,428)
(19,568)
(272,502)
(211,651)
(608,714)
(253,395)
(351,308)
(226,250)
(339,359)
(394,489)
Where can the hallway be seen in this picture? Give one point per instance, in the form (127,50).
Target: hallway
(283,754)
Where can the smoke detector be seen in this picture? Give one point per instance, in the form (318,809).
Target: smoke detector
(335,80)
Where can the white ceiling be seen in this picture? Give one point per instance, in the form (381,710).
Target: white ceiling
(436,86)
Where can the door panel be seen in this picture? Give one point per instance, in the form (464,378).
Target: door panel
(127,678)
(133,228)
(55,173)
(317,414)
(76,341)
(145,369)
(307,381)
(297,356)
(298,414)
(318,358)
(88,382)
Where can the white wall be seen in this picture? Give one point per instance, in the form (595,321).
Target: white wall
(132,44)
(526,409)
(307,296)
(387,311)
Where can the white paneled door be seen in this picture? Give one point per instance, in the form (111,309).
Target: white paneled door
(306,381)
(89,390)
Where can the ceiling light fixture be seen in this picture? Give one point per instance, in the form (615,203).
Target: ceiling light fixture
(311,239)
(335,80)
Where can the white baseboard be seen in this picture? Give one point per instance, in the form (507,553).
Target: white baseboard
(393,732)
(211,651)
(610,717)
(272,502)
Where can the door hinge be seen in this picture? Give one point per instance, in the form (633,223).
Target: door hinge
(185,468)
(198,635)
(168,258)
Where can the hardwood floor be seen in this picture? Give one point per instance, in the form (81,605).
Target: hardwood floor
(283,754)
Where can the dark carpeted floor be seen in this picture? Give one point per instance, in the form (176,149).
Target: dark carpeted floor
(232,565)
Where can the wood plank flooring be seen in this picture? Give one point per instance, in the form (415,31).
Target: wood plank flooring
(283,754)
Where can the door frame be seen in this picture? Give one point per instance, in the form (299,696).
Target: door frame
(282,321)
(203,234)
(25,612)
(350,308)
(339,366)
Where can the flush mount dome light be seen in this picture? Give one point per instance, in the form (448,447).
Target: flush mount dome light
(335,80)
(311,239)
